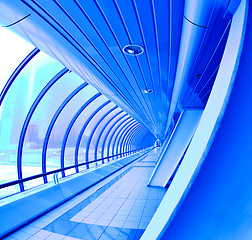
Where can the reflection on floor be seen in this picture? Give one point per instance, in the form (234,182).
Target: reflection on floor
(119,208)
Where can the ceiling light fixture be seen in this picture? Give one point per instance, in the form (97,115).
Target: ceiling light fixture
(147,91)
(133,49)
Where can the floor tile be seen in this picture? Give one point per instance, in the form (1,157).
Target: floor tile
(106,237)
(122,237)
(143,225)
(30,229)
(133,218)
(43,234)
(97,229)
(34,238)
(91,235)
(116,224)
(103,222)
(21,235)
(89,220)
(119,209)
(70,238)
(120,218)
(55,236)
(131,225)
(79,231)
(61,226)
(112,231)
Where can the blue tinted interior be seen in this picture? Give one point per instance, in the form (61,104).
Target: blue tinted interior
(154,93)
(51,118)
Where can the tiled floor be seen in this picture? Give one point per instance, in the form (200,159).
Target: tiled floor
(119,209)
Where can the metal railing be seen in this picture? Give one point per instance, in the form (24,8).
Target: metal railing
(8,184)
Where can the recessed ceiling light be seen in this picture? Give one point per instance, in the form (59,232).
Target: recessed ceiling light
(133,49)
(147,91)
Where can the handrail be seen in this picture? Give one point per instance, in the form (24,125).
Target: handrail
(60,170)
(56,178)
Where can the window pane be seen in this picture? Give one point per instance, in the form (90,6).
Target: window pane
(104,135)
(98,130)
(15,107)
(84,116)
(13,50)
(61,125)
(89,130)
(42,116)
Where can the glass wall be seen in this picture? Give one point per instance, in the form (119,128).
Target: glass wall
(51,119)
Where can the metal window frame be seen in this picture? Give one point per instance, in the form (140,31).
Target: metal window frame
(112,135)
(130,139)
(121,136)
(129,146)
(135,134)
(106,136)
(27,121)
(129,134)
(116,133)
(16,72)
(52,123)
(94,129)
(141,132)
(82,132)
(126,135)
(63,147)
(105,126)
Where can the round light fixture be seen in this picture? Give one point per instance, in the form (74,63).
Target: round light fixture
(133,49)
(147,91)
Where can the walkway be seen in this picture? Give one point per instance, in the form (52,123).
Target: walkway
(119,208)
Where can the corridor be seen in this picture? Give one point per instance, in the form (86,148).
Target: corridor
(119,207)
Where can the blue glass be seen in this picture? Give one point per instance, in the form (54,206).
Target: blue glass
(14,75)
(76,117)
(13,50)
(84,133)
(120,136)
(102,132)
(15,107)
(110,149)
(48,157)
(131,145)
(59,128)
(93,138)
(128,136)
(116,134)
(41,112)
(125,137)
(105,144)
(34,135)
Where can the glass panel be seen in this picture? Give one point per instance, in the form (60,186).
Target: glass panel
(125,132)
(42,116)
(88,132)
(103,129)
(118,135)
(61,125)
(13,50)
(116,131)
(99,130)
(80,123)
(15,107)
(114,127)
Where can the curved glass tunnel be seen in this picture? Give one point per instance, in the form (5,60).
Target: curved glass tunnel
(51,119)
(100,142)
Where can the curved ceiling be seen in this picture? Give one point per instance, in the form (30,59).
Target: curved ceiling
(88,37)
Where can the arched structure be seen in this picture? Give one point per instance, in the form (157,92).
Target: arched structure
(97,91)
